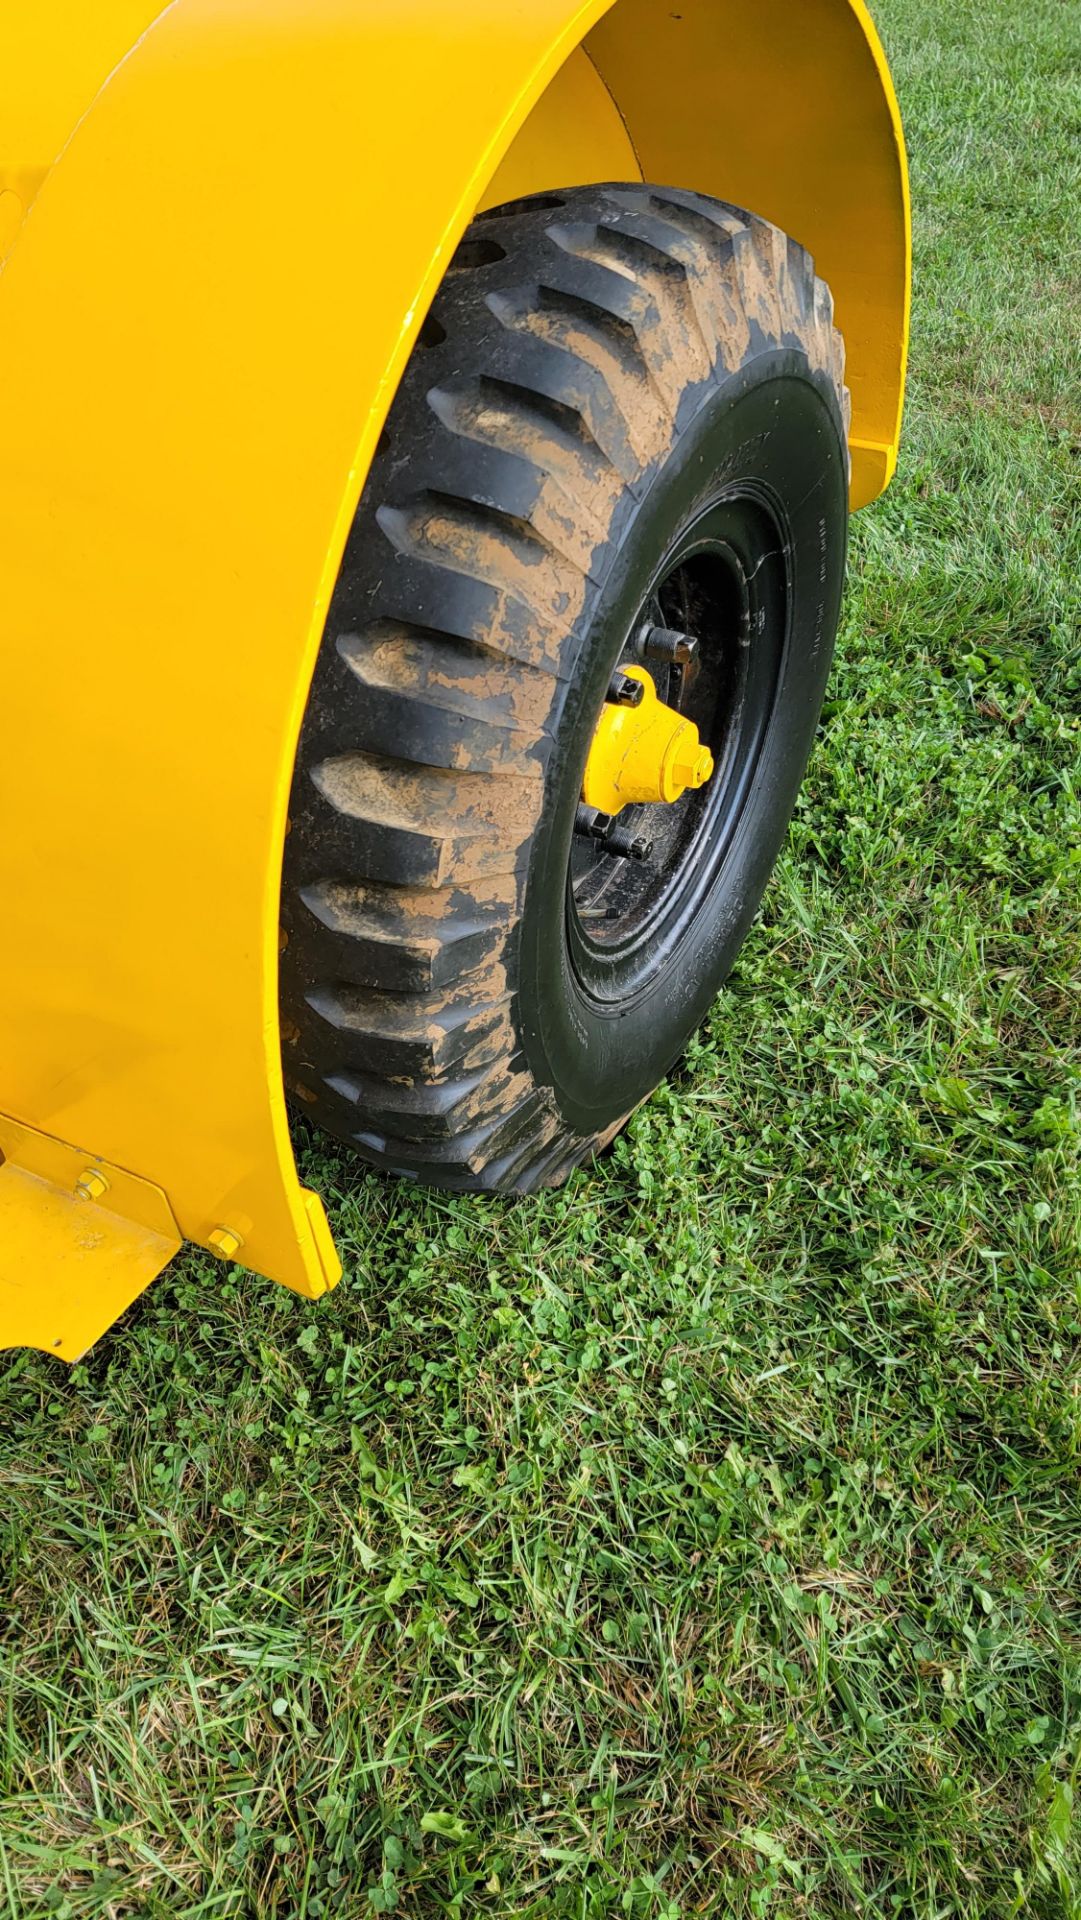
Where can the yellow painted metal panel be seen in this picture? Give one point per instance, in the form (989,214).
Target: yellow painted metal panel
(208,308)
(53,59)
(54,56)
(78,1241)
(574,135)
(786,107)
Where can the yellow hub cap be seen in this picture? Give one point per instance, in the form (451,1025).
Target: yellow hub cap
(645,752)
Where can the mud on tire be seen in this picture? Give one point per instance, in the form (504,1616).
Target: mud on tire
(579,352)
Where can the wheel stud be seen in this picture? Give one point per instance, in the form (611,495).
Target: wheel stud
(624,690)
(667,646)
(610,836)
(626,845)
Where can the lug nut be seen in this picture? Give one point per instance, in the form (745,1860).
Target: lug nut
(667,645)
(626,845)
(610,837)
(624,690)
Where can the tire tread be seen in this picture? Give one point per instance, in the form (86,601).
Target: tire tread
(549,380)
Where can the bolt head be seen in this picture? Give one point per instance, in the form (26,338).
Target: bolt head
(224,1243)
(91,1185)
(695,770)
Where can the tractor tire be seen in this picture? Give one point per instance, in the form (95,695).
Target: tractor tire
(625,416)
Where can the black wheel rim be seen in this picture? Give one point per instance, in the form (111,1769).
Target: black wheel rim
(725,583)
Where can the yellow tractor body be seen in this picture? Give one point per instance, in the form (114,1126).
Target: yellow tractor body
(221,225)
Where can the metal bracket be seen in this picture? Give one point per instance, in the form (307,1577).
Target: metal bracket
(79,1240)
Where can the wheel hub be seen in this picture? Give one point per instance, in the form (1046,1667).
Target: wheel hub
(642,751)
(671,758)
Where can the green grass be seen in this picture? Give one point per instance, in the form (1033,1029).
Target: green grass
(703,1539)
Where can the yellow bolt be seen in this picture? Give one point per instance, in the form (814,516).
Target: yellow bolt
(91,1185)
(695,770)
(225,1243)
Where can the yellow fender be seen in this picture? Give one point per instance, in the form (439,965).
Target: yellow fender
(221,224)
